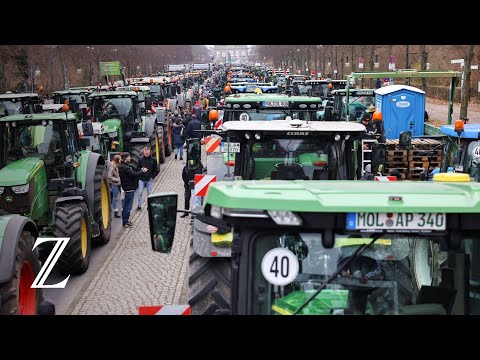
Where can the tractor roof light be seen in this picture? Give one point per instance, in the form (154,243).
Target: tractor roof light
(258,136)
(14,124)
(281,217)
(459,126)
(216,212)
(337,137)
(247,136)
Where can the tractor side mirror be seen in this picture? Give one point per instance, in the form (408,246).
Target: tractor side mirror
(37,108)
(162,216)
(87,128)
(193,151)
(72,104)
(379,156)
(405,140)
(148,103)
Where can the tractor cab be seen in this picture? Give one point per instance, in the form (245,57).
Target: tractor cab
(318,88)
(250,88)
(359,100)
(79,97)
(463,147)
(254,107)
(37,151)
(22,103)
(285,150)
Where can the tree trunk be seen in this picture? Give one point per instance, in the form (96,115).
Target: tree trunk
(423,51)
(466,82)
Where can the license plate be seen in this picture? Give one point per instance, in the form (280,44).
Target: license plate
(234,147)
(401,221)
(275,103)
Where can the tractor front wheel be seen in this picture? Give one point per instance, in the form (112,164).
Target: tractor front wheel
(17,296)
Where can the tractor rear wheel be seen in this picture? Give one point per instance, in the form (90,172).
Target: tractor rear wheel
(102,202)
(421,267)
(17,297)
(209,284)
(71,220)
(136,152)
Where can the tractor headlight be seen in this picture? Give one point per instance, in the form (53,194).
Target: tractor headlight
(21,189)
(285,218)
(113,134)
(1,190)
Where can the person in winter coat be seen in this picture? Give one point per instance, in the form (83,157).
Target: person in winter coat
(178,138)
(197,109)
(146,179)
(192,128)
(114,179)
(129,183)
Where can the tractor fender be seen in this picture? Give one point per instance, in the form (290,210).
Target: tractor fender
(149,125)
(202,242)
(10,232)
(140,140)
(87,182)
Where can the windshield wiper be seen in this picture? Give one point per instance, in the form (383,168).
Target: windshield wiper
(354,256)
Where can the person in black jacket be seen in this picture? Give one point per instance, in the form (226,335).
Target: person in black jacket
(192,128)
(129,182)
(146,179)
(188,174)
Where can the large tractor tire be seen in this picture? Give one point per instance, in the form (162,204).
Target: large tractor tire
(209,284)
(421,267)
(102,205)
(136,152)
(71,221)
(168,141)
(17,298)
(156,149)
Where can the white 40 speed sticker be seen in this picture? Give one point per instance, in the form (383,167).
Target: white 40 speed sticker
(280,266)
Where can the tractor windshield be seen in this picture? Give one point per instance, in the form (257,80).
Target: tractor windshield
(9,107)
(294,159)
(60,99)
(29,140)
(108,107)
(386,279)
(271,114)
(358,105)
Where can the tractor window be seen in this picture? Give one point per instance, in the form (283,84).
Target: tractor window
(33,140)
(109,108)
(473,160)
(262,115)
(387,279)
(71,134)
(358,105)
(60,99)
(8,107)
(290,159)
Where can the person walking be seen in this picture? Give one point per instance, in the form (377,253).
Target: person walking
(146,179)
(192,130)
(188,174)
(178,138)
(197,109)
(114,179)
(129,183)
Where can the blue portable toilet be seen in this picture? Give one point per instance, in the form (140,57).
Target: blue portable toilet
(403,109)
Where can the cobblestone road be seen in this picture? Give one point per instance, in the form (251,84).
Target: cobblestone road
(133,274)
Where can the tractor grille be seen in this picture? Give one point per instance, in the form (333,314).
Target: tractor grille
(20,204)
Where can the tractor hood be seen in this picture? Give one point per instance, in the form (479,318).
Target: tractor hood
(111,125)
(20,172)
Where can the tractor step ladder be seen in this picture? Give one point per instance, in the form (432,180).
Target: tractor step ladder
(365,161)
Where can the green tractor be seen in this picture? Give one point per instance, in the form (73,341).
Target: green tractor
(46,176)
(333,247)
(125,122)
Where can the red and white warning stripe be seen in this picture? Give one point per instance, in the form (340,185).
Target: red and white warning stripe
(385,178)
(202,182)
(218,123)
(212,144)
(165,310)
(153,108)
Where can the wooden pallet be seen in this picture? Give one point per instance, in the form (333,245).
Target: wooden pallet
(396,152)
(396,158)
(423,164)
(425,158)
(425,152)
(393,144)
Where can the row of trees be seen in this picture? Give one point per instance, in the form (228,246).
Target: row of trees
(23,68)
